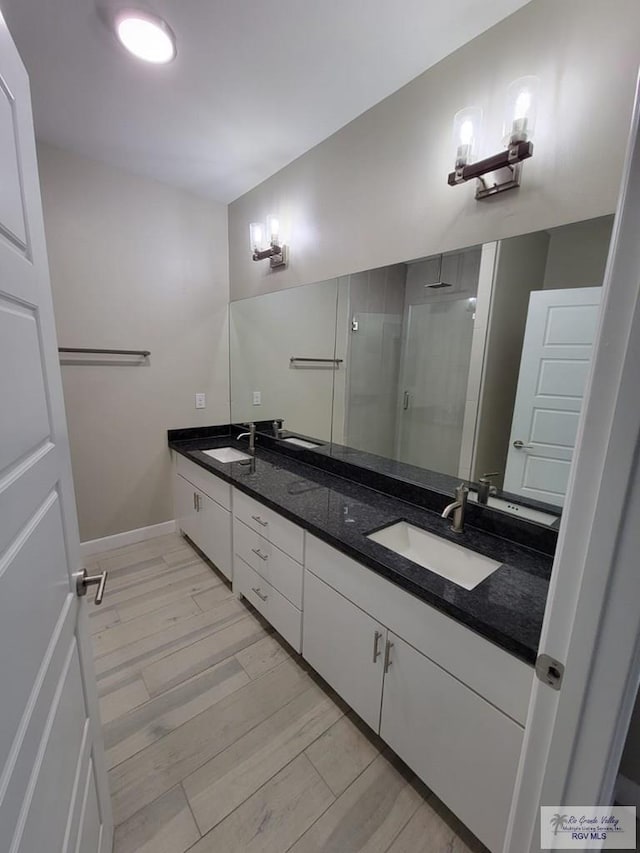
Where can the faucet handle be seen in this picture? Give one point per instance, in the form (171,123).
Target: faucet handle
(462,492)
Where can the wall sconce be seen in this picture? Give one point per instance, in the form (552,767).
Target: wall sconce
(519,124)
(276,252)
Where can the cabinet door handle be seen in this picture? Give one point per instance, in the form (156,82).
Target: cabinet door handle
(198,498)
(387,655)
(259,553)
(195,505)
(377,636)
(258,593)
(259,520)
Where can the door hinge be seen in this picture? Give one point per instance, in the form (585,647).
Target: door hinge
(550,671)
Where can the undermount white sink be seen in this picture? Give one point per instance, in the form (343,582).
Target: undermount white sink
(453,562)
(516,509)
(227,454)
(301,442)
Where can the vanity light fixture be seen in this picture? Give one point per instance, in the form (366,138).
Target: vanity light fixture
(276,252)
(146,36)
(519,124)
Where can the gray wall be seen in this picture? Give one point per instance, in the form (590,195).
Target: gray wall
(375,193)
(520,268)
(134,264)
(578,254)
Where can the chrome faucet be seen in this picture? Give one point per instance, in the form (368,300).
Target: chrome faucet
(458,508)
(278,428)
(252,437)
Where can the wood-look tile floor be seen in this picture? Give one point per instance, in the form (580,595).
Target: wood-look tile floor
(218,737)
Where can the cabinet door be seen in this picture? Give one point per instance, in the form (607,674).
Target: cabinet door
(184,506)
(462,747)
(346,646)
(213,533)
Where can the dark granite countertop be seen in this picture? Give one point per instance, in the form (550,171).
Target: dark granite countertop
(506,608)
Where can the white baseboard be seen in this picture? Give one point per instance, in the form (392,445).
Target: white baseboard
(627,792)
(129,537)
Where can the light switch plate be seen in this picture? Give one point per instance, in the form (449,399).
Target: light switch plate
(201,401)
(257,398)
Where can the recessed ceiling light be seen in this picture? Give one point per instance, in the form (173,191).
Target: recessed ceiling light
(146,36)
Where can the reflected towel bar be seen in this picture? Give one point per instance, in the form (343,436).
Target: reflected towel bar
(295,358)
(142,353)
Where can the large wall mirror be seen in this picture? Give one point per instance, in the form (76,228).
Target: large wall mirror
(468,365)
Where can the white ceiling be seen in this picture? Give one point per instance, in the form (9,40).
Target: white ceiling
(255,84)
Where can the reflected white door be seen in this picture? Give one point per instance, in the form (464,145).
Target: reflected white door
(556,355)
(53,785)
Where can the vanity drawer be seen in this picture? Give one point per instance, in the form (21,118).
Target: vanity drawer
(282,533)
(276,567)
(276,609)
(211,485)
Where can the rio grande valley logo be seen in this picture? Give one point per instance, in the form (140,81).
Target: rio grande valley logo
(588,827)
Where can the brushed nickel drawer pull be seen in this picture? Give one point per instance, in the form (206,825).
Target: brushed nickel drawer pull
(387,656)
(259,594)
(260,521)
(259,553)
(377,636)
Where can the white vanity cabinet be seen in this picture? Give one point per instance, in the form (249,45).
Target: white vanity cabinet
(451,704)
(202,504)
(346,646)
(184,505)
(462,747)
(268,565)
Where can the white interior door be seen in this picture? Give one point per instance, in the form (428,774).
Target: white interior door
(556,355)
(574,736)
(53,786)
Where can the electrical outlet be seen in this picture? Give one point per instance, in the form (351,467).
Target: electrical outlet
(257,398)
(201,401)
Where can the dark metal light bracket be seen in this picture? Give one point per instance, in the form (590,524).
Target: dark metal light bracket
(509,162)
(278,255)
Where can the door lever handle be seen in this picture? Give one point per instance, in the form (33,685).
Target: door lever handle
(520,445)
(85,580)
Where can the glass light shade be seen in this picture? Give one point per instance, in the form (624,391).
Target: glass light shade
(273,229)
(466,133)
(521,109)
(146,36)
(256,236)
